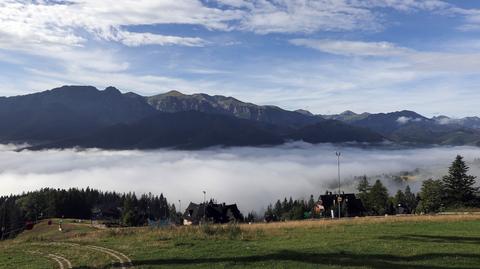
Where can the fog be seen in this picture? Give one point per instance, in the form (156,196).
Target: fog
(250,177)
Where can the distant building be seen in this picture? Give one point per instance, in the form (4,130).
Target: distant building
(108,211)
(351,206)
(211,212)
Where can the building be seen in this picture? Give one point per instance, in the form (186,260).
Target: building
(211,212)
(351,206)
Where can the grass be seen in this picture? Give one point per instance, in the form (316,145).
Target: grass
(384,242)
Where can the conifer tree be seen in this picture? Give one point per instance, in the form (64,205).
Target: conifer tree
(399,199)
(378,197)
(363,188)
(410,200)
(430,196)
(458,185)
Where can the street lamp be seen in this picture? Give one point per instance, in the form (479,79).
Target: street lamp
(338,153)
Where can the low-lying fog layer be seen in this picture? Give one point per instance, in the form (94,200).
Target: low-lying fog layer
(250,177)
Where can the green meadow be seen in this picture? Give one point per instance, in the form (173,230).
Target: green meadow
(381,242)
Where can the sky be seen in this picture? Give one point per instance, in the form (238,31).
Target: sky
(250,177)
(325,56)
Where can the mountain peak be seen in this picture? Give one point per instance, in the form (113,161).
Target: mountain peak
(112,90)
(174,93)
(304,112)
(348,113)
(73,88)
(408,114)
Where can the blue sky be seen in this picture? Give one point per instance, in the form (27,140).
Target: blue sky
(326,56)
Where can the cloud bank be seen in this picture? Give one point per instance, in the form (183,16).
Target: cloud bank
(251,177)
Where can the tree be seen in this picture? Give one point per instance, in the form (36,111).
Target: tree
(129,213)
(430,196)
(277,210)
(297,212)
(363,188)
(378,197)
(310,204)
(410,200)
(363,185)
(458,185)
(399,198)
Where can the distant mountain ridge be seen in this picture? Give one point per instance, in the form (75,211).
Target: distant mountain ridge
(85,117)
(411,127)
(175,101)
(66,111)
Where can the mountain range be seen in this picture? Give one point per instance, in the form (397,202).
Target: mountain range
(85,117)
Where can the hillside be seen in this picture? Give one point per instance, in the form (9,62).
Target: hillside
(182,130)
(83,116)
(175,101)
(410,127)
(383,242)
(65,112)
(335,131)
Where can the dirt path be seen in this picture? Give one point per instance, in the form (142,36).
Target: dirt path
(61,261)
(123,260)
(60,264)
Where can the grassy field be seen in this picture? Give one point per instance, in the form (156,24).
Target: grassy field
(386,242)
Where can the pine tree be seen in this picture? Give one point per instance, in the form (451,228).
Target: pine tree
(410,200)
(430,196)
(129,214)
(311,204)
(399,199)
(378,197)
(458,185)
(363,188)
(277,210)
(363,185)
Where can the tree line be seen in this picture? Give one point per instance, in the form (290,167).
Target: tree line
(123,208)
(455,191)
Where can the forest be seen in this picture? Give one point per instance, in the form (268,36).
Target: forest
(19,211)
(455,191)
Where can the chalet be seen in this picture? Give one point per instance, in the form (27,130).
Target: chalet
(211,212)
(351,206)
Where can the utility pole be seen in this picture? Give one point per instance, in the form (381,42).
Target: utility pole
(338,153)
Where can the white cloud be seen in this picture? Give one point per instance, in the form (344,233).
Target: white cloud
(67,23)
(404,5)
(139,39)
(307,16)
(446,121)
(251,177)
(471,18)
(352,48)
(404,120)
(74,22)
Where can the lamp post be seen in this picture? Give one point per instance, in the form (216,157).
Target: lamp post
(338,153)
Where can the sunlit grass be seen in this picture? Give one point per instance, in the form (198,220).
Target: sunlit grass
(377,242)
